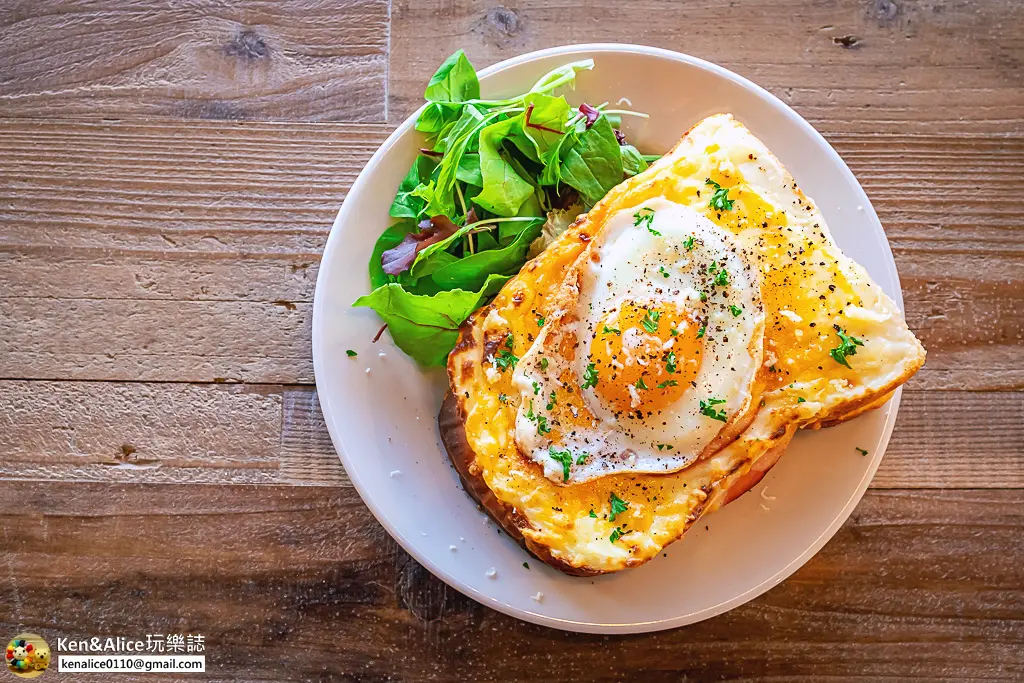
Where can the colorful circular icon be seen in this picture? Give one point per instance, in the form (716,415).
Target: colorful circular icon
(27,656)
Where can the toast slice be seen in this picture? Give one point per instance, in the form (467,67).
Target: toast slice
(813,376)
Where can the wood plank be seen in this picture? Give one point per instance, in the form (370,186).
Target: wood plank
(244,434)
(915,584)
(116,231)
(261,59)
(851,67)
(164,433)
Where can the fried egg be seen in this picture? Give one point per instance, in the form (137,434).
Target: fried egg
(831,345)
(652,354)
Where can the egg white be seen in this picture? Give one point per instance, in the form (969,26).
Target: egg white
(660,262)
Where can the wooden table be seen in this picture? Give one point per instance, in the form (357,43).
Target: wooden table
(168,175)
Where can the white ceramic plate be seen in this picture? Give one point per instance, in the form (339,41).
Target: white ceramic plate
(380,407)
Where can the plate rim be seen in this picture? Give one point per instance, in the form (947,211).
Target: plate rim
(330,417)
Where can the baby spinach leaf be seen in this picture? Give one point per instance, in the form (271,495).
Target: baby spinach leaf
(594,164)
(504,191)
(544,123)
(470,272)
(454,81)
(632,161)
(407,204)
(468,170)
(426,327)
(437,118)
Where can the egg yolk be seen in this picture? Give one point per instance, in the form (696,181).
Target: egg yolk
(645,356)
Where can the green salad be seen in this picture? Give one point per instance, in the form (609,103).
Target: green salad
(494,183)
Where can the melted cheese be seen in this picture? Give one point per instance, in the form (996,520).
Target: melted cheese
(808,287)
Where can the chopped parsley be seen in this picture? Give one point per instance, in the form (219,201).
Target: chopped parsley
(551,401)
(593,514)
(508,340)
(720,199)
(722,278)
(542,421)
(540,321)
(703,296)
(351,353)
(543,363)
(735,310)
(861,451)
(640,384)
(668,383)
(701,330)
(542,425)
(536,388)
(564,458)
(650,321)
(689,243)
(526,565)
(616,534)
(582,458)
(661,269)
(847,347)
(505,360)
(670,362)
(611,330)
(801,399)
(503,399)
(645,216)
(590,376)
(707,409)
(618,507)
(674,332)
(664,446)
(713,268)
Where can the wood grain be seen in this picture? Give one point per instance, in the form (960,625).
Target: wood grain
(170,173)
(293,583)
(245,434)
(116,232)
(259,59)
(855,67)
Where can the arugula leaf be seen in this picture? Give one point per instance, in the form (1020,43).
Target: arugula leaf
(408,202)
(562,76)
(594,164)
(457,143)
(504,191)
(426,327)
(454,81)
